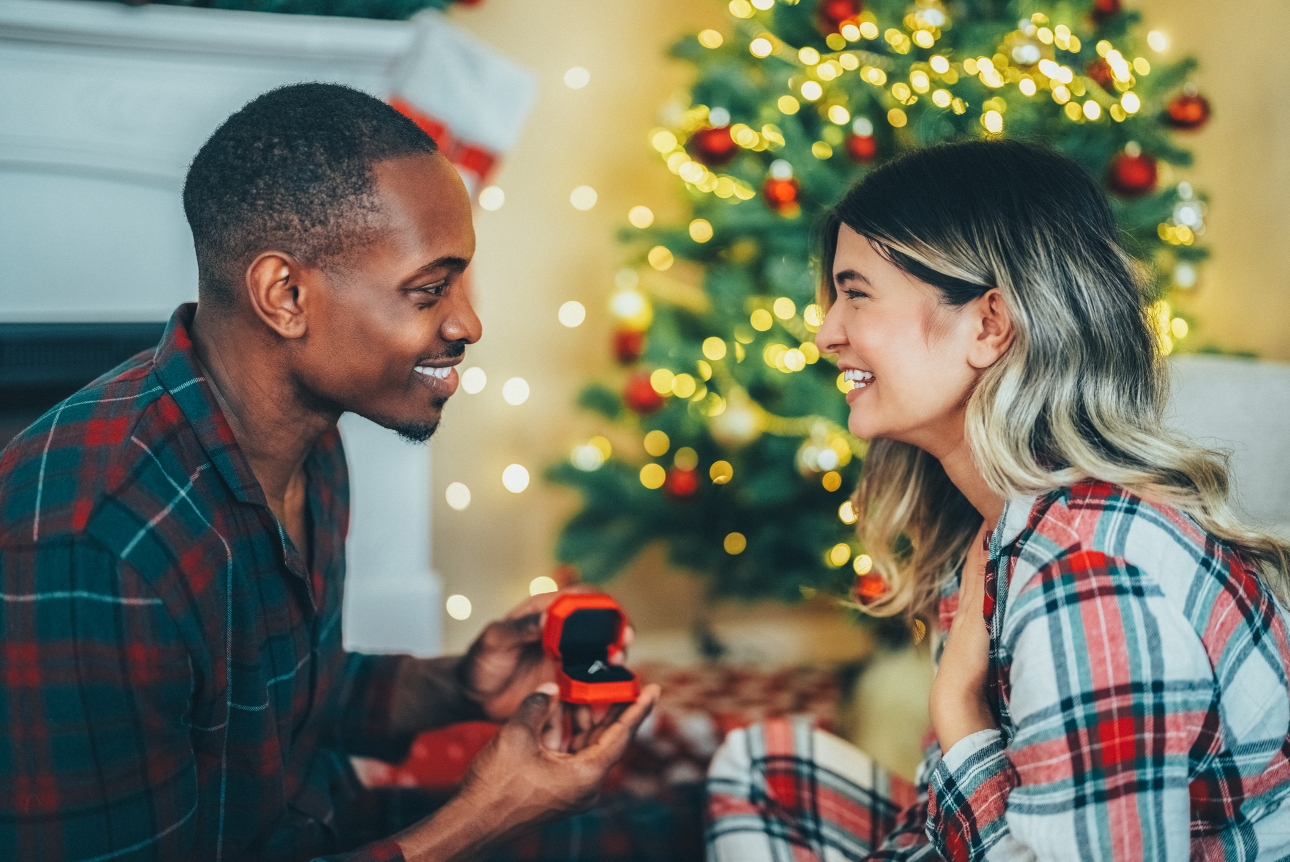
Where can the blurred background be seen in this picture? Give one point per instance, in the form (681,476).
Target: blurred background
(97,121)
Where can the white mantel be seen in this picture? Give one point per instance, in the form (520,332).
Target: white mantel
(102,106)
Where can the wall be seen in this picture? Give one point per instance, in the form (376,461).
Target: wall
(537,251)
(1243,161)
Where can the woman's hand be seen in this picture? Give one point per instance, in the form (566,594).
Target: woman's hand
(958,702)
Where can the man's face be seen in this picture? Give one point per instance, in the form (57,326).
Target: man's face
(388,325)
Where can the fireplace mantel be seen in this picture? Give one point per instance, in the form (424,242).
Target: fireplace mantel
(101,108)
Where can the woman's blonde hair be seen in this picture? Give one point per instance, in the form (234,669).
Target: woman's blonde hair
(1079,394)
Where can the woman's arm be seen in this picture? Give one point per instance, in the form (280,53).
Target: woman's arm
(1110,687)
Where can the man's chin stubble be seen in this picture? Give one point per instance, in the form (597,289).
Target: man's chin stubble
(413,432)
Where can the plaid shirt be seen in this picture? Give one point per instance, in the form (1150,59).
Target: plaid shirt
(1140,677)
(174,681)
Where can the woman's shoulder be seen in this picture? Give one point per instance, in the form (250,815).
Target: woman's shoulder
(1098,543)
(1098,518)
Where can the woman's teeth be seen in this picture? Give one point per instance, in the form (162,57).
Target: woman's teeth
(859,379)
(440,373)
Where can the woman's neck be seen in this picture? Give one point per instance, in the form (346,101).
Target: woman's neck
(961,467)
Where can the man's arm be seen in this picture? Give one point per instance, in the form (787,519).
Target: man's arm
(95,755)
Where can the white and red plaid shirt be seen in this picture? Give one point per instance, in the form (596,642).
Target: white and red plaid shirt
(1140,677)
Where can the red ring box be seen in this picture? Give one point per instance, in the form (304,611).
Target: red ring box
(582,632)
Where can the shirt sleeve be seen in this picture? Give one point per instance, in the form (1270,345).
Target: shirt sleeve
(95,756)
(908,841)
(390,699)
(367,709)
(1110,687)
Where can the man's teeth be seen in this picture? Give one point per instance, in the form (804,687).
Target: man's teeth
(440,373)
(858,379)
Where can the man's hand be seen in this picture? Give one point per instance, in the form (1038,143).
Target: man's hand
(506,662)
(518,781)
(958,702)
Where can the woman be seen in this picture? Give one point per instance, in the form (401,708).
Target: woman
(1114,669)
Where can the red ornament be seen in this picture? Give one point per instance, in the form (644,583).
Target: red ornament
(1104,9)
(830,15)
(639,394)
(861,148)
(1100,70)
(629,344)
(781,195)
(713,146)
(1187,111)
(681,484)
(1133,175)
(869,588)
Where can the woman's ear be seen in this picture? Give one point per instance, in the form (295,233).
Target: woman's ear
(993,330)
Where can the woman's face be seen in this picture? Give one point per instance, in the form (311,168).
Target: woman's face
(911,357)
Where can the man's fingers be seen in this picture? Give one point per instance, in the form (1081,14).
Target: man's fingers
(612,737)
(535,710)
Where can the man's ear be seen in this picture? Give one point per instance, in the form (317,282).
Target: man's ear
(276,285)
(993,331)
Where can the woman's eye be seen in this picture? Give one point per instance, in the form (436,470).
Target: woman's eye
(854,294)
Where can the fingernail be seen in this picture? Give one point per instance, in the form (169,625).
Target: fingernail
(550,689)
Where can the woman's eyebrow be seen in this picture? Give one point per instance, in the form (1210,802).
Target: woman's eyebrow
(850,275)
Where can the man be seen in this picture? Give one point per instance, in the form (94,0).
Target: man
(172,536)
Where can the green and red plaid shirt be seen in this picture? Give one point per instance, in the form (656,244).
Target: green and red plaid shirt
(174,681)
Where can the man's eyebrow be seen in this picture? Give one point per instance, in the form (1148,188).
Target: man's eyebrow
(449,262)
(850,275)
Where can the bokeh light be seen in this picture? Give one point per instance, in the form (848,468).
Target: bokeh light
(515,478)
(473,380)
(457,495)
(458,607)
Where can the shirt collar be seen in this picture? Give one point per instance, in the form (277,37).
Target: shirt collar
(181,373)
(1016,514)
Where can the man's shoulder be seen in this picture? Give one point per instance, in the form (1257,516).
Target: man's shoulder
(56,473)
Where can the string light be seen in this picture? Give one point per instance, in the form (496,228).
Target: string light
(734,543)
(847,513)
(657,444)
(542,584)
(587,458)
(868,29)
(813,315)
(811,90)
(662,381)
(1158,41)
(896,118)
(714,348)
(515,478)
(808,56)
(640,217)
(788,105)
(583,198)
(491,199)
(685,458)
(653,476)
(457,495)
(761,320)
(710,39)
(515,391)
(572,313)
(721,472)
(838,555)
(760,47)
(473,380)
(700,230)
(663,141)
(660,257)
(863,564)
(458,607)
(831,481)
(577,78)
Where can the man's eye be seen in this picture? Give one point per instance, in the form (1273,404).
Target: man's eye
(436,289)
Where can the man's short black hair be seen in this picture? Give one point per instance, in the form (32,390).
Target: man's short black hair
(291,171)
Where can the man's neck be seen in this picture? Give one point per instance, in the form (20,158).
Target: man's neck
(273,427)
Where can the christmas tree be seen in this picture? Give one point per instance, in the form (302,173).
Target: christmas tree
(737,454)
